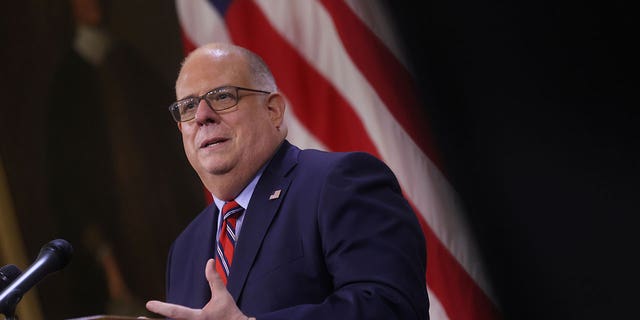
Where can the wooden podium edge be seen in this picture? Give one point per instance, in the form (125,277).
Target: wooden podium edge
(112,317)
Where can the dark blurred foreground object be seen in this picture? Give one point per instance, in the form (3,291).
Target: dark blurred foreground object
(8,273)
(53,256)
(108,317)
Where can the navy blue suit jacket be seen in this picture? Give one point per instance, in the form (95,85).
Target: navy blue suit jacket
(340,242)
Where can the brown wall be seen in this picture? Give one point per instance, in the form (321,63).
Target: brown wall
(90,151)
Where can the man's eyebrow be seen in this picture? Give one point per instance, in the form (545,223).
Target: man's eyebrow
(187,97)
(194,95)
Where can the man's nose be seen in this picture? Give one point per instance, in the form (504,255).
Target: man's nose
(204,113)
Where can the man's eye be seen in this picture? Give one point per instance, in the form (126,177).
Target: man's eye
(188,105)
(224,96)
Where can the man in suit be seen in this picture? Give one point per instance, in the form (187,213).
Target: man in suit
(292,234)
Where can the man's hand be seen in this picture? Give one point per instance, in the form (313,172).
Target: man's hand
(220,307)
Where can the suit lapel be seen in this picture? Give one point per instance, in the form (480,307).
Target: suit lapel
(207,250)
(263,207)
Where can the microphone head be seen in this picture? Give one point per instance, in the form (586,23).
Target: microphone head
(59,250)
(8,273)
(53,256)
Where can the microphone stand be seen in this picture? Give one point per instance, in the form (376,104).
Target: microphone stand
(9,310)
(10,313)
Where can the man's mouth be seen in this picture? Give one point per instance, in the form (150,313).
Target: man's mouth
(212,142)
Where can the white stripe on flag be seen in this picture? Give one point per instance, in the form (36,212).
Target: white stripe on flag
(201,22)
(317,41)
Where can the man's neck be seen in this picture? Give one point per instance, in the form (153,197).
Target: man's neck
(227,186)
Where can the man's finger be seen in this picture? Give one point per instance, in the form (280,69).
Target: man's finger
(171,310)
(215,282)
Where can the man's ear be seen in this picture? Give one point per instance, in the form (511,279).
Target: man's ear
(276,107)
(180,126)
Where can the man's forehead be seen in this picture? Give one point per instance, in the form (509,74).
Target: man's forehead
(214,55)
(201,75)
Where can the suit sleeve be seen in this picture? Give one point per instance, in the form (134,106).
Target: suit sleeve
(372,245)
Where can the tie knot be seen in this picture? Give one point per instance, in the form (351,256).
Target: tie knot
(230,209)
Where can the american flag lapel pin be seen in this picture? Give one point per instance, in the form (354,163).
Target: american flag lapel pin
(275,194)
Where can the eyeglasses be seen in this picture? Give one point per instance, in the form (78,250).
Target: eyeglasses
(217,99)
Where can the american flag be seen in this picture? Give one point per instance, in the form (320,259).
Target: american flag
(348,88)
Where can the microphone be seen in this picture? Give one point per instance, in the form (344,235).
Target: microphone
(8,273)
(53,256)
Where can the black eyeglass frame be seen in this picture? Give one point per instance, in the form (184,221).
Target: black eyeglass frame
(175,113)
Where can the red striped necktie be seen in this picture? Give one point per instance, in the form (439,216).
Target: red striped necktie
(227,239)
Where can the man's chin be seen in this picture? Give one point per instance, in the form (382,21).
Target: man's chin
(214,165)
(216,169)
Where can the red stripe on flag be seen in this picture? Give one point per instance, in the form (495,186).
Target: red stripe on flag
(385,73)
(317,103)
(458,293)
(187,43)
